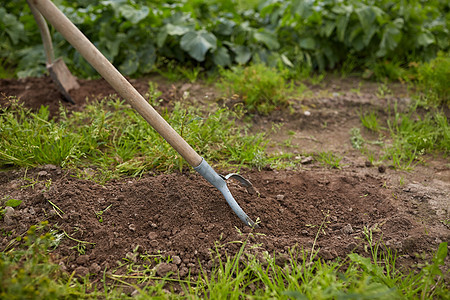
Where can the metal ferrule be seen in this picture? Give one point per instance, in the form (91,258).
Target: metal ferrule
(218,182)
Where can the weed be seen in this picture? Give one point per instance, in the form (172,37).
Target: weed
(316,79)
(262,89)
(324,221)
(433,80)
(329,159)
(153,94)
(370,121)
(190,73)
(356,138)
(413,136)
(99,214)
(358,89)
(28,273)
(383,90)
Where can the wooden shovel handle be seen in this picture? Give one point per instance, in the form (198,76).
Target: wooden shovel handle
(45,33)
(79,41)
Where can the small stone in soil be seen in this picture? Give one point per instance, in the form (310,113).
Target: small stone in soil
(81,271)
(152,235)
(82,259)
(348,229)
(95,268)
(183,272)
(280,197)
(49,167)
(306,160)
(42,173)
(9,212)
(132,227)
(163,268)
(325,254)
(176,260)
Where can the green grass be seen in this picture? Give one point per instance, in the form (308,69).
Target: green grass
(27,272)
(262,89)
(329,159)
(406,136)
(413,135)
(112,139)
(370,121)
(433,80)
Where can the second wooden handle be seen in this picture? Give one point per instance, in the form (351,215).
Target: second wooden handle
(80,42)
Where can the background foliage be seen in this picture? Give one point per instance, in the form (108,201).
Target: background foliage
(140,36)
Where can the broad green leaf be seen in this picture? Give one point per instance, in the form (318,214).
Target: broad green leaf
(147,58)
(132,14)
(224,26)
(328,28)
(303,8)
(320,60)
(131,63)
(267,38)
(341,26)
(425,38)
(331,56)
(366,16)
(178,29)
(391,37)
(243,54)
(12,26)
(221,57)
(367,264)
(13,202)
(286,61)
(161,38)
(197,43)
(307,43)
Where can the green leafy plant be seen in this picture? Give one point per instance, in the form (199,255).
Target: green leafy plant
(262,89)
(99,214)
(433,80)
(370,121)
(138,36)
(356,138)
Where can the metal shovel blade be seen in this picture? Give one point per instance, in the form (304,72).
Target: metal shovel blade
(60,74)
(63,79)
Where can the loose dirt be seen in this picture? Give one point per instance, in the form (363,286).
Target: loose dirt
(181,216)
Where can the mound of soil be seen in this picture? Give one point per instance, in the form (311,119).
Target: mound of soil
(183,216)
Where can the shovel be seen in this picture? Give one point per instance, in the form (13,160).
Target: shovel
(58,70)
(76,38)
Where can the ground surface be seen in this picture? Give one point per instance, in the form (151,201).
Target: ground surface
(181,215)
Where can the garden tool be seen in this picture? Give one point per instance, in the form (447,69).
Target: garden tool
(79,41)
(58,70)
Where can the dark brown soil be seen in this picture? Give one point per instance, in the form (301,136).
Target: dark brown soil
(182,216)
